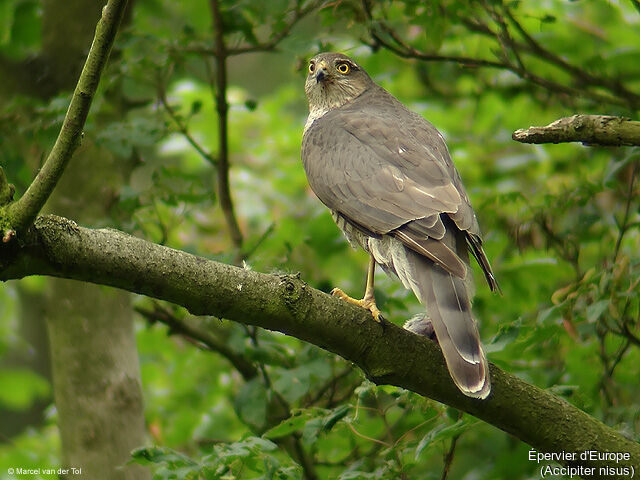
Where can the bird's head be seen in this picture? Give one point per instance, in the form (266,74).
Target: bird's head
(333,79)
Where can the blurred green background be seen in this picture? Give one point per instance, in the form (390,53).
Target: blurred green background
(560,221)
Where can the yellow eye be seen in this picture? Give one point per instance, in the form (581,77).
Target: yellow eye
(312,67)
(343,68)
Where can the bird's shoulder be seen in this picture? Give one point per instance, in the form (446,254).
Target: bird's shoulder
(383,132)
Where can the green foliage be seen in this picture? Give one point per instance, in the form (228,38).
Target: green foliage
(238,460)
(20,388)
(561,223)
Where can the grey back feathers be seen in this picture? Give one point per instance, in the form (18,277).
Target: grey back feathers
(386,174)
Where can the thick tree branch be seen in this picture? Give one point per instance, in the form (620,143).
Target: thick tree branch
(588,129)
(22,213)
(386,353)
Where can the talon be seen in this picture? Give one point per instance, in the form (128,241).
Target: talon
(368,303)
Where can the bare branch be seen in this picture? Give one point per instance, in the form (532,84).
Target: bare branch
(22,213)
(582,76)
(197,330)
(272,43)
(182,128)
(384,36)
(386,353)
(624,225)
(588,129)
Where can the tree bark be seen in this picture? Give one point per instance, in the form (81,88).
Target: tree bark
(602,130)
(94,361)
(386,353)
(96,374)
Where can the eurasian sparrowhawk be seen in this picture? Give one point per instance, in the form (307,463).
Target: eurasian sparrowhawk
(387,177)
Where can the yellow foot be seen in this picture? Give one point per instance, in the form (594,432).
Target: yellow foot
(367,303)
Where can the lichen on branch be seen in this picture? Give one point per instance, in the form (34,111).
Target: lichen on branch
(22,213)
(602,130)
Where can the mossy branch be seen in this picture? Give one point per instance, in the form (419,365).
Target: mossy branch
(6,189)
(589,129)
(386,353)
(22,213)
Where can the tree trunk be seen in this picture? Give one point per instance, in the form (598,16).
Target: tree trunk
(96,379)
(96,375)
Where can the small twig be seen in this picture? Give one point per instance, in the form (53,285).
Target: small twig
(330,384)
(448,458)
(413,429)
(621,351)
(630,335)
(268,45)
(272,43)
(582,76)
(23,212)
(307,464)
(622,97)
(371,439)
(182,128)
(589,129)
(193,331)
(222,107)
(624,227)
(249,253)
(391,437)
(504,37)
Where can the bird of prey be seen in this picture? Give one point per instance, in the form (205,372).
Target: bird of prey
(387,177)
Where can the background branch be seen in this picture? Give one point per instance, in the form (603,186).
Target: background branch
(222,107)
(588,129)
(386,353)
(196,329)
(22,213)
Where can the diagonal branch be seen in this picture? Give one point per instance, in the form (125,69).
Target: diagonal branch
(22,213)
(386,353)
(197,330)
(588,129)
(272,43)
(183,129)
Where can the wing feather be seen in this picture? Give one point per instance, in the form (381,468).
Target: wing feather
(388,180)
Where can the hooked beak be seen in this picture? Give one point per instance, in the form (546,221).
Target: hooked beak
(323,72)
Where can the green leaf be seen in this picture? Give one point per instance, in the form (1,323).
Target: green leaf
(334,417)
(595,311)
(443,432)
(251,403)
(293,423)
(164,455)
(294,383)
(506,335)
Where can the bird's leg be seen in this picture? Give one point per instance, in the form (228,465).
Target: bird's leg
(369,300)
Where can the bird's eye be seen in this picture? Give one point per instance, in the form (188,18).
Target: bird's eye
(343,68)
(312,67)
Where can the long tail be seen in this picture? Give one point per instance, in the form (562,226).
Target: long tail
(449,307)
(448,303)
